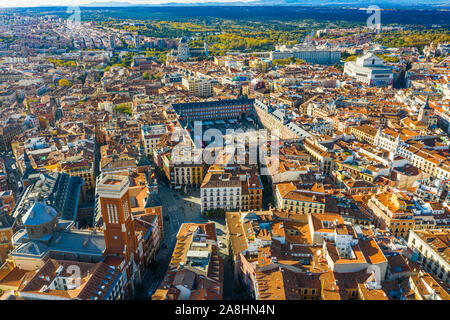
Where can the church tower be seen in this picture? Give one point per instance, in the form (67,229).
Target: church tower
(118,223)
(425,112)
(143,163)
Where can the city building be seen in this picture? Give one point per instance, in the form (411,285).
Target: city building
(213,110)
(58,190)
(151,135)
(393,212)
(198,87)
(308,53)
(73,280)
(6,234)
(196,270)
(432,247)
(118,227)
(230,189)
(370,70)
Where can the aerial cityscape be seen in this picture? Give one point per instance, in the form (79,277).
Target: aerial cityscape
(270,151)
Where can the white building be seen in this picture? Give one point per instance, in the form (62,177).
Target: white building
(309,53)
(220,191)
(386,140)
(369,69)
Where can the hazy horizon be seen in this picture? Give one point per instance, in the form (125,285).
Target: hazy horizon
(43,3)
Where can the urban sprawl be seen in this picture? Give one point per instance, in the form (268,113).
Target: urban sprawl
(331,182)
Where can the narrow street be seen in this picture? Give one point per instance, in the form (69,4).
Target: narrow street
(179,208)
(14,175)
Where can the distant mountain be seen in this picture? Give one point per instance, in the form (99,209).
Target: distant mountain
(315,3)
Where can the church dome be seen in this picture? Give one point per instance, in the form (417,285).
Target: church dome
(39,214)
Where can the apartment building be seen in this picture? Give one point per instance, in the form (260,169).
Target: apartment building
(197,87)
(231,189)
(7,134)
(182,174)
(433,249)
(6,234)
(430,162)
(69,280)
(151,135)
(425,287)
(295,198)
(364,133)
(388,139)
(393,211)
(319,153)
(83,169)
(221,190)
(196,270)
(344,251)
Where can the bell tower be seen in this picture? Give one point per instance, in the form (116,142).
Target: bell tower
(425,112)
(118,224)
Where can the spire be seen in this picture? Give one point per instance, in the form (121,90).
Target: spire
(29,170)
(427,103)
(26,158)
(143,161)
(141,148)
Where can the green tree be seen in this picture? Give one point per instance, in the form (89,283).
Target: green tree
(64,83)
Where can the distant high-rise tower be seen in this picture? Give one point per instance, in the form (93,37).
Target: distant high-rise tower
(183,49)
(112,41)
(137,41)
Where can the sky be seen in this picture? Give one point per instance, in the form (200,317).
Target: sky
(34,3)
